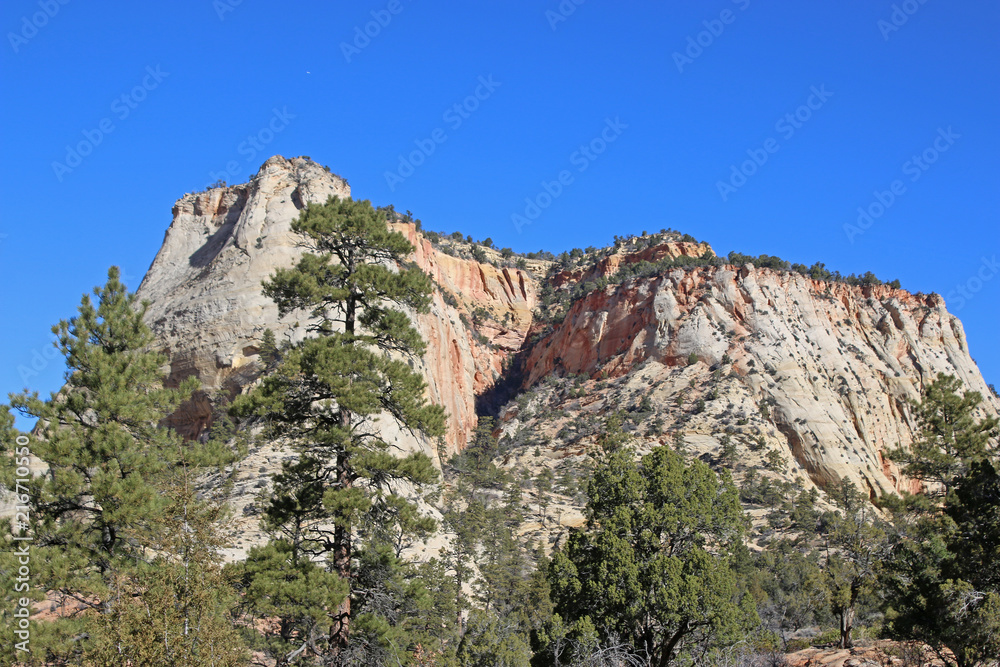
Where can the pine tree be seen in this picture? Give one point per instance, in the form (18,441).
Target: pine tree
(463,515)
(8,443)
(950,438)
(288,597)
(652,566)
(178,611)
(104,514)
(612,436)
(790,587)
(14,587)
(327,393)
(481,511)
(856,546)
(942,579)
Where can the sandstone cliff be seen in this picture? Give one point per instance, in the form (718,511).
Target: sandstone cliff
(208,311)
(820,372)
(823,370)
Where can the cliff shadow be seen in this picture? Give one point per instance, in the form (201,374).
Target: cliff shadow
(506,388)
(204,255)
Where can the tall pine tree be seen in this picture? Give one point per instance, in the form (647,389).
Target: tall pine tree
(942,579)
(950,439)
(104,515)
(856,545)
(327,393)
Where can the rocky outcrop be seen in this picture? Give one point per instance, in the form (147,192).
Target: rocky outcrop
(608,265)
(204,286)
(821,371)
(209,314)
(872,654)
(830,366)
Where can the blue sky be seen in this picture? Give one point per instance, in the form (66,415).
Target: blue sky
(111,113)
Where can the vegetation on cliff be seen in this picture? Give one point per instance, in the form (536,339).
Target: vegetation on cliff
(666,569)
(338,508)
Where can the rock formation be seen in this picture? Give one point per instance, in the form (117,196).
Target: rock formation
(834,364)
(821,371)
(209,313)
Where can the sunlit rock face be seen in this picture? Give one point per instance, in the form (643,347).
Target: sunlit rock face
(833,365)
(209,314)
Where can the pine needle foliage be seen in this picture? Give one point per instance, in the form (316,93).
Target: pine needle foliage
(106,535)
(326,395)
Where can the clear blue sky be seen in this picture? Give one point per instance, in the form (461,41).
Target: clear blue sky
(199,78)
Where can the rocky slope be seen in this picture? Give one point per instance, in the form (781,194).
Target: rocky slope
(818,372)
(823,369)
(871,654)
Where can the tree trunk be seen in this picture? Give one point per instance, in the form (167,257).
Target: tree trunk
(458,599)
(341,632)
(846,626)
(342,563)
(668,650)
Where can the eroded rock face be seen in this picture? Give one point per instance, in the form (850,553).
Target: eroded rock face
(460,365)
(609,265)
(209,313)
(205,283)
(833,365)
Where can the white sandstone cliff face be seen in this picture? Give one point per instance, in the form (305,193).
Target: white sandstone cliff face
(204,286)
(835,364)
(209,314)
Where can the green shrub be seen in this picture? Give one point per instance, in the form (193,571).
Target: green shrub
(831,636)
(794,645)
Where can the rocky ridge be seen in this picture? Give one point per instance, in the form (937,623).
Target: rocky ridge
(819,372)
(824,369)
